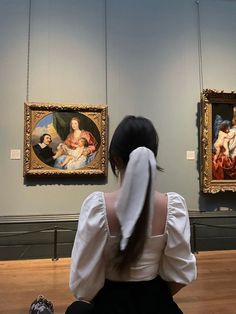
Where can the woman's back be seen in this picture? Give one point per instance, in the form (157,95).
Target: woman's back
(159,213)
(169,228)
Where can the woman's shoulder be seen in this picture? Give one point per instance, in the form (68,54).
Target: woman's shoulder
(112,219)
(111,196)
(169,203)
(103,198)
(160,197)
(174,197)
(94,202)
(160,213)
(176,206)
(93,206)
(110,199)
(94,198)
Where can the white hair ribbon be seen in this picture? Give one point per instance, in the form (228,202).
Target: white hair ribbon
(133,191)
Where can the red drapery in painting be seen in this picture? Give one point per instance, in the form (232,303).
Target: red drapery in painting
(224,168)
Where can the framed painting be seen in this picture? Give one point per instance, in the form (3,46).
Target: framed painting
(65,139)
(218,141)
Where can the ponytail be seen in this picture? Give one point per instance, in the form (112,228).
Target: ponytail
(123,259)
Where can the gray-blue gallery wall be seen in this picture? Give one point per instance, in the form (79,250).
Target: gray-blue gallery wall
(141,57)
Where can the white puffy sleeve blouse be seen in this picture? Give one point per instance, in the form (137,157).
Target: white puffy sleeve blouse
(168,255)
(177,263)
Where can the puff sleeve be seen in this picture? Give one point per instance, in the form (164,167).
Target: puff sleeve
(177,264)
(87,273)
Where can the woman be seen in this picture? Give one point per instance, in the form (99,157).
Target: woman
(70,145)
(131,252)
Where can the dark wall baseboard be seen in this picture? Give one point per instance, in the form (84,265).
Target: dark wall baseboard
(38,237)
(213,231)
(52,236)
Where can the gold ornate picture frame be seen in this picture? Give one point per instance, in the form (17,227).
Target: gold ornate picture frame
(218,141)
(65,139)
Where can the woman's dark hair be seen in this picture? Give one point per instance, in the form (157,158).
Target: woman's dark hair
(131,133)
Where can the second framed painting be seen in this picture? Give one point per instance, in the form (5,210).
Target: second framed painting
(64,139)
(218,141)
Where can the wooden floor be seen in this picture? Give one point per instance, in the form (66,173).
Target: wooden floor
(214,292)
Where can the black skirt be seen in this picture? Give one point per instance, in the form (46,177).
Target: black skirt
(139,297)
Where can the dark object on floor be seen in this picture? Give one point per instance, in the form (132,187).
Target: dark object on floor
(41,306)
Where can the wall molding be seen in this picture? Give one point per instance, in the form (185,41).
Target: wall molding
(75,217)
(38,218)
(215,214)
